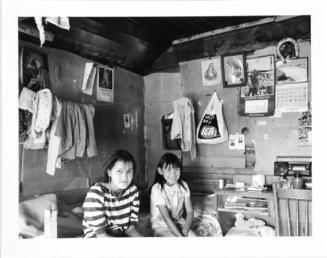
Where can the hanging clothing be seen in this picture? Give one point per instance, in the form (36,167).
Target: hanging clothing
(40,104)
(91,147)
(183,125)
(25,121)
(54,160)
(62,22)
(26,110)
(76,130)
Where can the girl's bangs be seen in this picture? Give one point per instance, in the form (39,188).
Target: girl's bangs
(173,164)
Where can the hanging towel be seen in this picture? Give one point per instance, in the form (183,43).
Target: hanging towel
(26,100)
(91,147)
(44,110)
(62,22)
(55,141)
(183,125)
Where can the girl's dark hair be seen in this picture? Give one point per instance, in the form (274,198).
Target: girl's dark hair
(120,155)
(166,160)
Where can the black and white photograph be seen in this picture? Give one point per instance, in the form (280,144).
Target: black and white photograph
(84,167)
(261,77)
(292,71)
(105,84)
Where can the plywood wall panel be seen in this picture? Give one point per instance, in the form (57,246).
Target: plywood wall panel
(161,89)
(272,136)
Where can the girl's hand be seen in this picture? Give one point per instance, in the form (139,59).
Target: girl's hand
(132,232)
(169,221)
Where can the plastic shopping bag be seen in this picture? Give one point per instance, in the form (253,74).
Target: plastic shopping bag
(212,128)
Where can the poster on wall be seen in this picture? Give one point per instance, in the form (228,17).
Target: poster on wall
(211,72)
(292,71)
(257,98)
(105,84)
(89,78)
(33,69)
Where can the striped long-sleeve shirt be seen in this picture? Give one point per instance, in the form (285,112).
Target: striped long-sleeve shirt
(103,211)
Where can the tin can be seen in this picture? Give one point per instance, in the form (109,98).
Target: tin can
(221,183)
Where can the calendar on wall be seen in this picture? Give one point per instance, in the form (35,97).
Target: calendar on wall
(292,97)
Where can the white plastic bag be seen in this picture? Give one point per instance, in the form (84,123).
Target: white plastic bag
(212,128)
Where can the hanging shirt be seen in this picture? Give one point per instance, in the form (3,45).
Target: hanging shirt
(55,141)
(76,130)
(183,125)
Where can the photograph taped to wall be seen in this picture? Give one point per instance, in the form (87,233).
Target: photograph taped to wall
(211,72)
(292,71)
(105,85)
(233,70)
(236,142)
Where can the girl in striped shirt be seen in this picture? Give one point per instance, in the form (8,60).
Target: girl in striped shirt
(111,207)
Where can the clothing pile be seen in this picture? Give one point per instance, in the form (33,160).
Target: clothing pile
(66,128)
(250,227)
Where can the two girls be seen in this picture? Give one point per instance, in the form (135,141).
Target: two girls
(111,207)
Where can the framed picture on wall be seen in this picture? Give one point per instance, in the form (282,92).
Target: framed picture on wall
(105,84)
(211,72)
(33,69)
(234,70)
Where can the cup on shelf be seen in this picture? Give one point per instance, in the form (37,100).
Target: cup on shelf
(221,183)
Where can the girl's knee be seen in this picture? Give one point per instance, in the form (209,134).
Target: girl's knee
(163,233)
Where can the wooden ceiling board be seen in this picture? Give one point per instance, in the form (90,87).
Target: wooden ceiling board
(136,43)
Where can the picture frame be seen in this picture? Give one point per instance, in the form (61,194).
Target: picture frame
(33,69)
(234,70)
(105,84)
(211,72)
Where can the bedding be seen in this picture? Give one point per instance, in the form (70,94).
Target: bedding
(70,216)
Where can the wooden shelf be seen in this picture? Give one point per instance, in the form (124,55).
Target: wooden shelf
(243,211)
(254,194)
